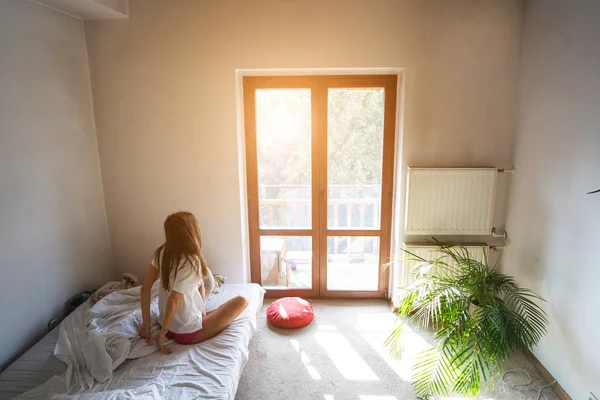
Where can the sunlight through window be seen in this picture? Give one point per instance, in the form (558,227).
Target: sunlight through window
(376,321)
(295,344)
(375,328)
(283,312)
(462,398)
(376,397)
(328,397)
(327,328)
(345,358)
(312,371)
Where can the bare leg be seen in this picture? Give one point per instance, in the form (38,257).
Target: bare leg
(219,319)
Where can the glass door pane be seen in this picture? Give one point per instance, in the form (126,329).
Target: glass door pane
(354,158)
(283,144)
(286,262)
(353,263)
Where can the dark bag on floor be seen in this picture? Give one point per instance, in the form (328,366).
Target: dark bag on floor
(70,306)
(76,301)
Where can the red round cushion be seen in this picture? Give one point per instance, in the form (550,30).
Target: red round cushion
(290,312)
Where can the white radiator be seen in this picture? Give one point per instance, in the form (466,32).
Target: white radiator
(450,201)
(430,253)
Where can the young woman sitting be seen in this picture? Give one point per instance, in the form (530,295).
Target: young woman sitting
(185,284)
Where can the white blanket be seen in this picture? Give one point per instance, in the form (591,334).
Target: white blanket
(95,341)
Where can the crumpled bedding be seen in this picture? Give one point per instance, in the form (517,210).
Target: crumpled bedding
(107,359)
(94,340)
(129,280)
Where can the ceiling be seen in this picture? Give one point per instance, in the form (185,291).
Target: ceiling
(90,9)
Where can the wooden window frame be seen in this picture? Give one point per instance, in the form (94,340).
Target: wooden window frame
(319,86)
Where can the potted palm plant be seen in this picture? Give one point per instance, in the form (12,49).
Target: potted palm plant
(479,315)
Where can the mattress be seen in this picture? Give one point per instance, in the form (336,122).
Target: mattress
(210,370)
(32,369)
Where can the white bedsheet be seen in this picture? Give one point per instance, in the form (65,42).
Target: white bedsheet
(210,370)
(94,340)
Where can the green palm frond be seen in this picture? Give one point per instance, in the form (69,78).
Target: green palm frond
(393,342)
(432,370)
(479,315)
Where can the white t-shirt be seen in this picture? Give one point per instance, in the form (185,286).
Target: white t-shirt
(188,317)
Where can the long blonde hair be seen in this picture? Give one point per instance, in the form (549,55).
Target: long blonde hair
(182,241)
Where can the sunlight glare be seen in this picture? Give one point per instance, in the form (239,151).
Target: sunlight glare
(345,358)
(282,311)
(462,398)
(327,328)
(412,344)
(312,371)
(284,119)
(295,344)
(375,321)
(376,397)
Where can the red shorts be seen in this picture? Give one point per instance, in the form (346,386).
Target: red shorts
(183,338)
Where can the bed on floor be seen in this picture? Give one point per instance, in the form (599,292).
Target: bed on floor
(210,370)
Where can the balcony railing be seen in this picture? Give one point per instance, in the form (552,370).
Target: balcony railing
(352,261)
(348,207)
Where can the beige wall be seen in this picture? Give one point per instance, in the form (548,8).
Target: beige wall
(165,100)
(554,225)
(53,229)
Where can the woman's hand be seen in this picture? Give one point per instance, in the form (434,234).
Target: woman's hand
(159,338)
(144,330)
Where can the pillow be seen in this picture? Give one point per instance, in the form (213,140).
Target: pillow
(290,312)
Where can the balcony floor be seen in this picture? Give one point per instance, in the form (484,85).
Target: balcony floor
(357,274)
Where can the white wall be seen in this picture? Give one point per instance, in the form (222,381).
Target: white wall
(53,229)
(553,225)
(164,94)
